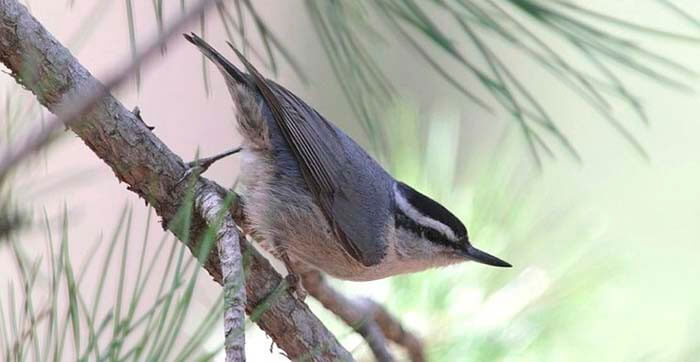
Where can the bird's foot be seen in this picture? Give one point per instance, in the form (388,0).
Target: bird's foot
(296,288)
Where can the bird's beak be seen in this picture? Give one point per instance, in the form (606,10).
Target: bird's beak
(485,258)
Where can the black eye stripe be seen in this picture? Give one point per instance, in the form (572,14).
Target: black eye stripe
(402,221)
(432,209)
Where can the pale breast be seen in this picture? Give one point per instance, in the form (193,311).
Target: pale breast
(284,217)
(282,213)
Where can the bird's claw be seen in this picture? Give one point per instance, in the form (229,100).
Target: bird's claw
(296,288)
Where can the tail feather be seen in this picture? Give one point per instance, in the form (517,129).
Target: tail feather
(222,63)
(251,123)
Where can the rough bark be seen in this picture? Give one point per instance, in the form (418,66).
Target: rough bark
(151,170)
(228,239)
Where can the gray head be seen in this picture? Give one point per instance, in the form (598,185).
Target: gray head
(429,230)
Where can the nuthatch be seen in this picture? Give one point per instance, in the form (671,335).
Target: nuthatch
(313,195)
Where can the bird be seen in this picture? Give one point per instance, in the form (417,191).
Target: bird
(314,196)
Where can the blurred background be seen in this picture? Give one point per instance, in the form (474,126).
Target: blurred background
(594,200)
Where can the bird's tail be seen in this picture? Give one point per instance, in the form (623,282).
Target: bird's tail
(251,124)
(222,63)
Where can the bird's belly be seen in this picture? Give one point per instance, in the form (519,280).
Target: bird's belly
(299,229)
(280,211)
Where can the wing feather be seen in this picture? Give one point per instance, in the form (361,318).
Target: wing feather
(319,166)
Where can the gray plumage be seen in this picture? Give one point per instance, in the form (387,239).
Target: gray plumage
(312,192)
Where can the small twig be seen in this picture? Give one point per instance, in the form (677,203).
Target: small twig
(228,237)
(368,318)
(76,107)
(392,329)
(350,312)
(203,164)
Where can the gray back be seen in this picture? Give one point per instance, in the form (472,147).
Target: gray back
(363,196)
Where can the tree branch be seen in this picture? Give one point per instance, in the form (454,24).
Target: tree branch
(151,170)
(366,316)
(393,330)
(349,312)
(71,109)
(228,240)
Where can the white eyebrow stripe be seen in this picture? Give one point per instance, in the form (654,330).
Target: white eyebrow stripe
(419,217)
